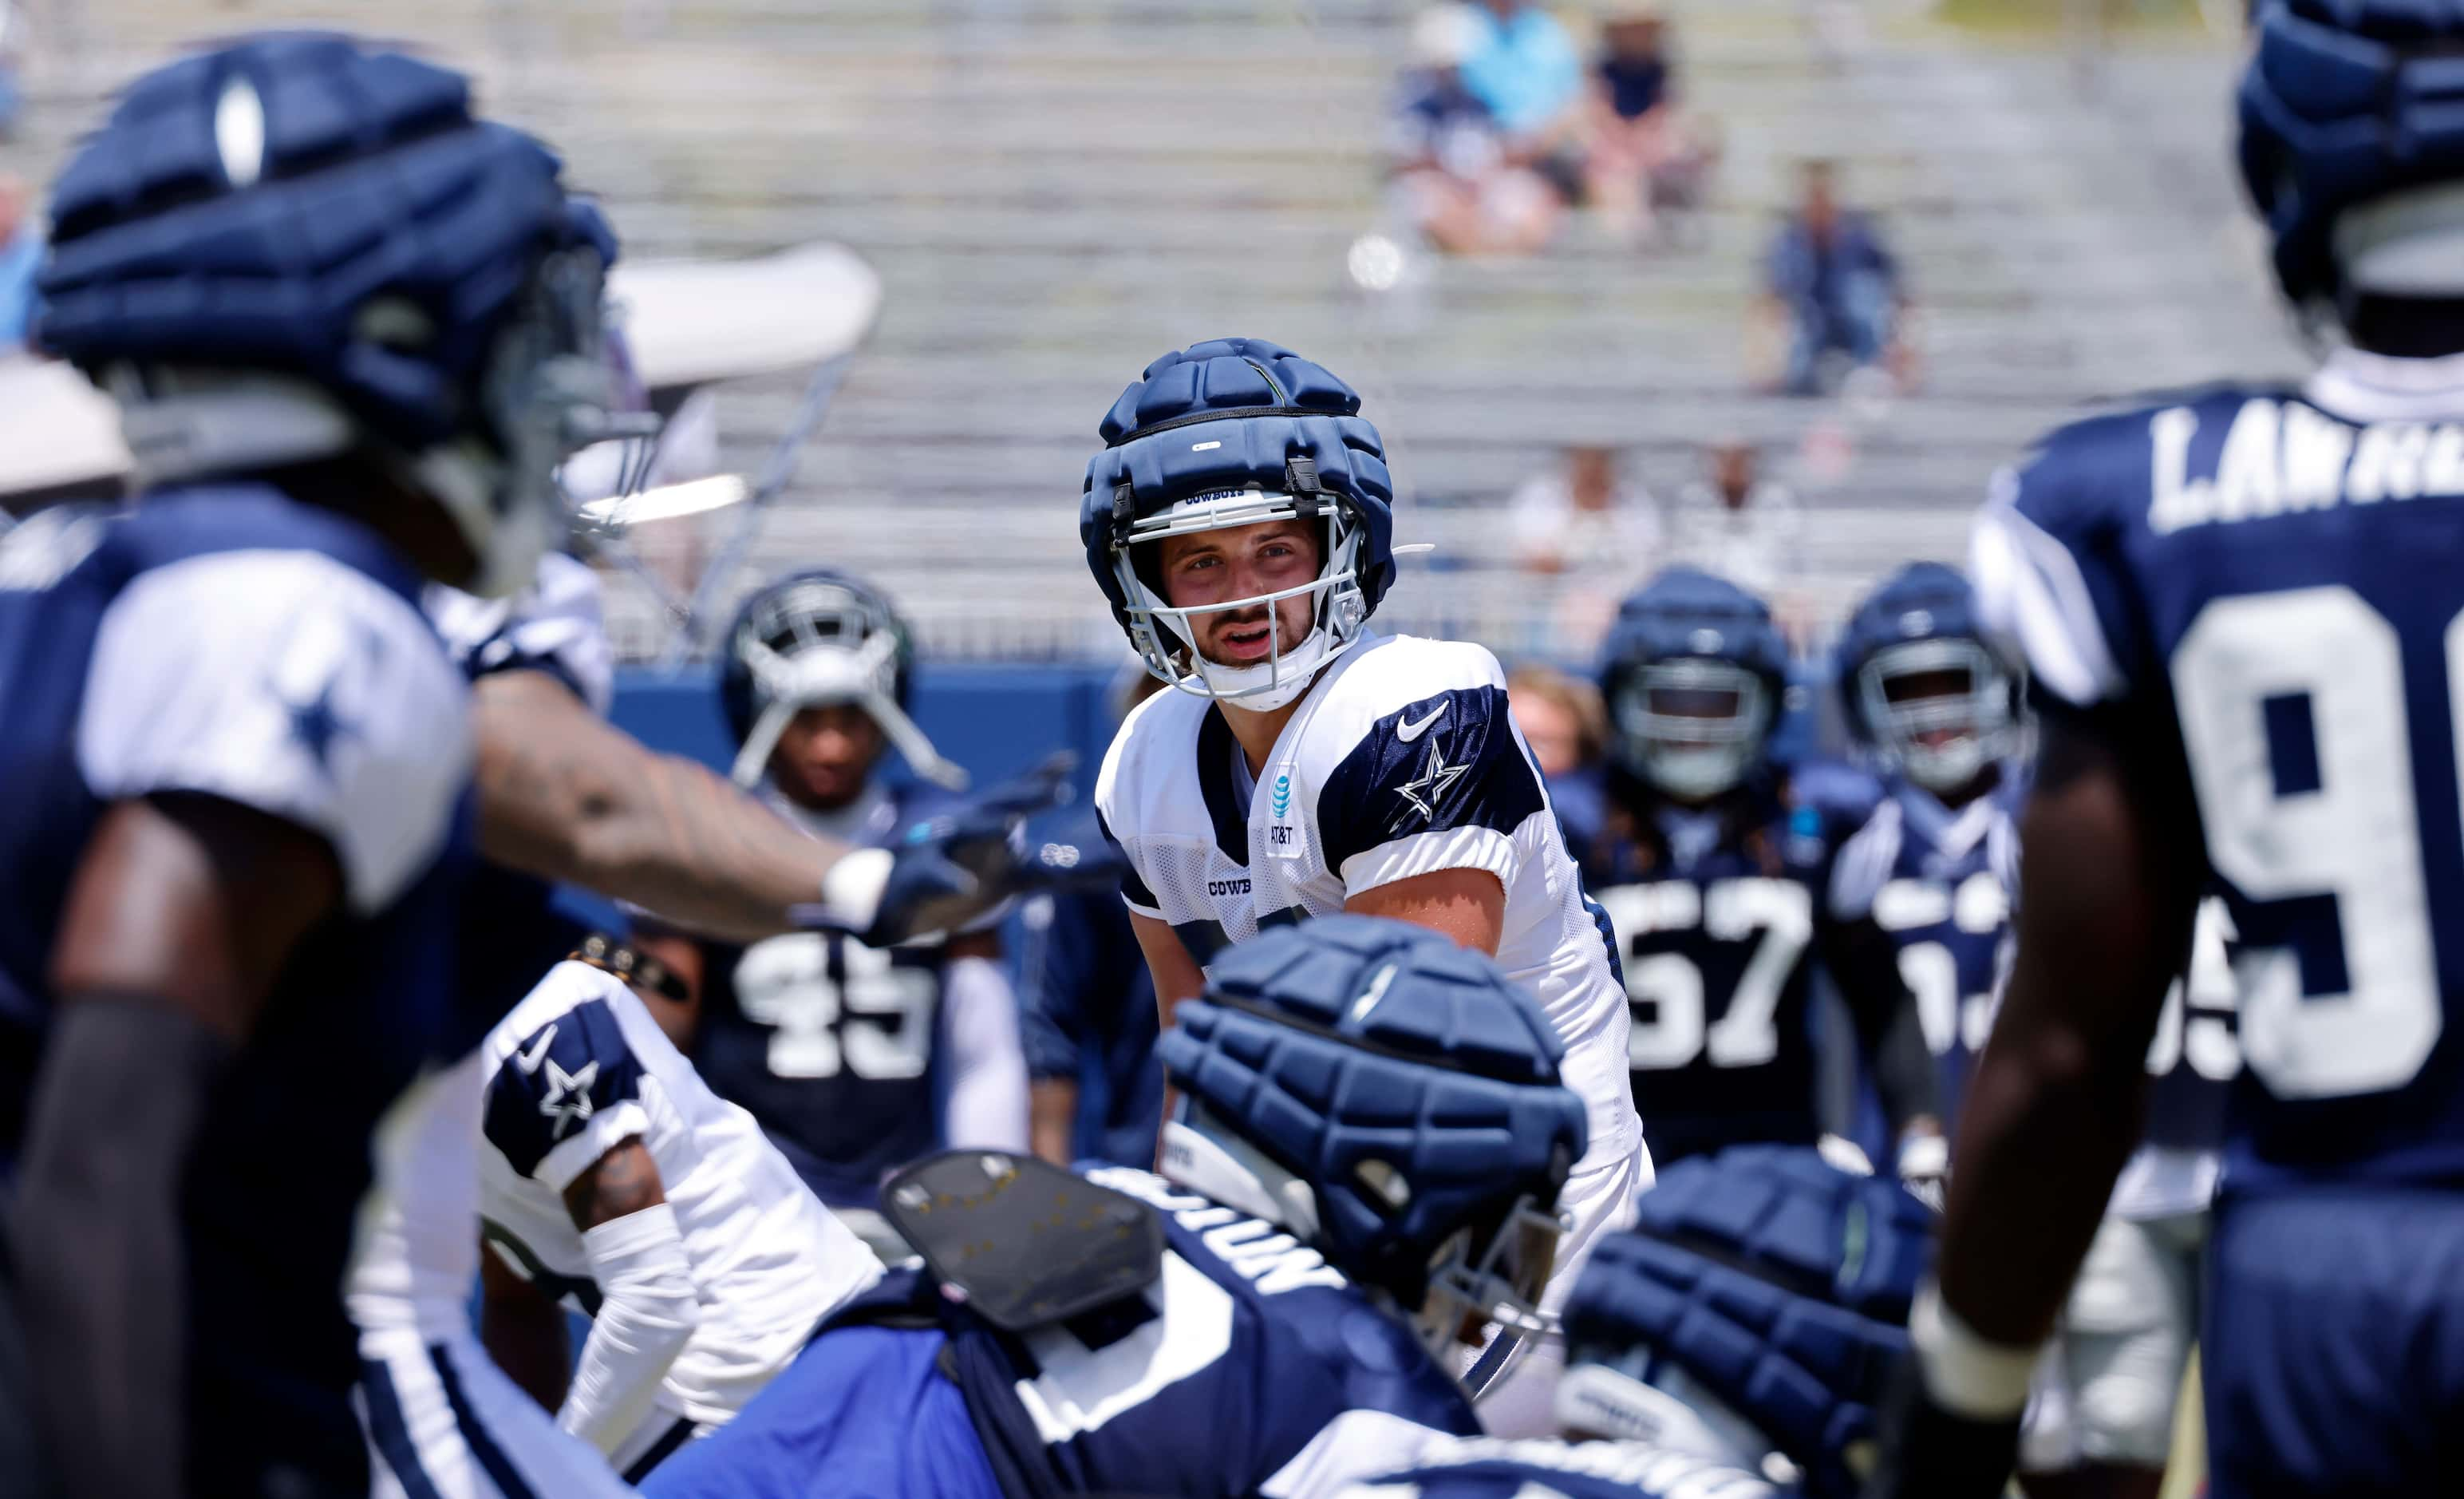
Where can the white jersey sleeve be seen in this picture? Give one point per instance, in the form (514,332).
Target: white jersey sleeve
(288,682)
(1132,791)
(558,624)
(1418,766)
(566,1093)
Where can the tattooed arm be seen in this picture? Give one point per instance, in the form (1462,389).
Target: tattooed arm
(647,1306)
(566,796)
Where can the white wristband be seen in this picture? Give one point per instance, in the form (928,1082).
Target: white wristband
(851,888)
(1965,1372)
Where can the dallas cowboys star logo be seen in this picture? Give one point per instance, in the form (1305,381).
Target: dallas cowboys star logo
(568,1097)
(316,725)
(1423,793)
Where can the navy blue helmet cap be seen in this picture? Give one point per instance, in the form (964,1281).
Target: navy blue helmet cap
(1776,1281)
(2345,100)
(1923,601)
(1685,612)
(1360,1054)
(1227,414)
(244,207)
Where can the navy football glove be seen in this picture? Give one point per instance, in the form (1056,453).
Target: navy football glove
(948,869)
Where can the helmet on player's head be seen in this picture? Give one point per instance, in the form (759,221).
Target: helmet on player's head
(1760,1304)
(293,247)
(1692,673)
(819,639)
(1390,1098)
(2352,145)
(1238,433)
(1919,683)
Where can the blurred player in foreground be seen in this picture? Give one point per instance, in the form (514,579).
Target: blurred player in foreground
(1262,1317)
(1710,866)
(563,795)
(613,1175)
(236,749)
(2239,612)
(856,1059)
(1240,523)
(1733,1345)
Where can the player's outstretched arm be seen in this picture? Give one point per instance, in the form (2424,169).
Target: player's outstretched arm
(178,920)
(2112,867)
(647,1311)
(566,796)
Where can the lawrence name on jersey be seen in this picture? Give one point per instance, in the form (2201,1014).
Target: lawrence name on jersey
(856,1060)
(2238,609)
(1369,1142)
(1239,522)
(702,1261)
(1735,1345)
(1710,870)
(237,754)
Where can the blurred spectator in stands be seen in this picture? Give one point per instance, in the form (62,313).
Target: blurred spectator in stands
(1743,527)
(1089,1018)
(21,253)
(1525,68)
(1451,167)
(1586,524)
(1645,153)
(1584,516)
(1562,719)
(1832,290)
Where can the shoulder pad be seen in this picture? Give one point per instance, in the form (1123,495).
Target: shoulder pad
(1026,1242)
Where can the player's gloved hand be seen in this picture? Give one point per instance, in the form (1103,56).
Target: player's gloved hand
(1929,1452)
(946,869)
(1924,1168)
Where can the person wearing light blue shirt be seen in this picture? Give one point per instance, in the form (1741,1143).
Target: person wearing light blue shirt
(1526,70)
(21,251)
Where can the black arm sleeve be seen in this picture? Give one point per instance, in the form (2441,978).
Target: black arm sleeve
(1889,1034)
(97,1241)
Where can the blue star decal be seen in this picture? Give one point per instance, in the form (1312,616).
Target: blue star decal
(316,725)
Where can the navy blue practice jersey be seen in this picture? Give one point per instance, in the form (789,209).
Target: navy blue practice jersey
(230,643)
(2267,586)
(831,1044)
(1251,1366)
(1718,915)
(1939,884)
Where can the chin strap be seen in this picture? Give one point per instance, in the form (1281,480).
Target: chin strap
(823,677)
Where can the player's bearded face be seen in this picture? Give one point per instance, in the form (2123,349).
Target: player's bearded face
(1207,567)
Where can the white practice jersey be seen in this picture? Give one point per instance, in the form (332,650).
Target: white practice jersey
(1401,760)
(578,1067)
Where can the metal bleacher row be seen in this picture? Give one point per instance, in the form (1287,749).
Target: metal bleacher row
(1054,191)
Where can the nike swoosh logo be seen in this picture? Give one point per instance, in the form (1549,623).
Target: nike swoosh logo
(1408,732)
(530,1060)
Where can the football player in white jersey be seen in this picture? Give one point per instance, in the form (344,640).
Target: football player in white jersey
(1240,522)
(612,1176)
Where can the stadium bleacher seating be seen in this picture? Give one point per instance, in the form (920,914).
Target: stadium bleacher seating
(1056,190)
